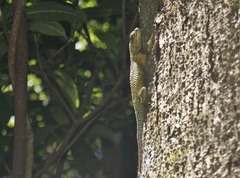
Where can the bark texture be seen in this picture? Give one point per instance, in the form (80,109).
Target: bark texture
(17,61)
(193,126)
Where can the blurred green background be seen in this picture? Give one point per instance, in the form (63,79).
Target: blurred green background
(78,78)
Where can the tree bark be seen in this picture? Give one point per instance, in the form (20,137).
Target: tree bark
(17,59)
(192,128)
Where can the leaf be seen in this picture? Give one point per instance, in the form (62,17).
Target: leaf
(55,12)
(5,109)
(68,88)
(50,28)
(3,45)
(109,39)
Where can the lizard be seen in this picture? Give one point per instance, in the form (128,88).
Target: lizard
(138,86)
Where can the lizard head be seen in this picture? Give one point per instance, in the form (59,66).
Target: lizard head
(135,41)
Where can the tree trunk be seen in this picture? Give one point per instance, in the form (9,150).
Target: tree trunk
(17,60)
(192,128)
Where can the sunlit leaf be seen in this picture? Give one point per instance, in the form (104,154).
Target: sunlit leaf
(54,11)
(50,28)
(68,88)
(109,39)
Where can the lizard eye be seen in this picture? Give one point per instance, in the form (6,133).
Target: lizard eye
(132,39)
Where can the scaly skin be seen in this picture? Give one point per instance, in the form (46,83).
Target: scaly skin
(138,87)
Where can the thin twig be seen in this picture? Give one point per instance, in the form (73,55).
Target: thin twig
(81,132)
(7,167)
(59,50)
(56,53)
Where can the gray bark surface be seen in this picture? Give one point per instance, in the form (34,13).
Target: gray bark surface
(192,128)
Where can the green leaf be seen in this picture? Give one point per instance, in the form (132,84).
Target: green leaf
(50,28)
(5,109)
(109,39)
(55,12)
(3,45)
(68,88)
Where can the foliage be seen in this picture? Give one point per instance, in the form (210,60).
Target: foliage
(78,91)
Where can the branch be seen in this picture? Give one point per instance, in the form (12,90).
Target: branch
(60,98)
(48,82)
(82,131)
(58,154)
(105,102)
(89,120)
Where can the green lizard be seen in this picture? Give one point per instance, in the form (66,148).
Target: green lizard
(138,86)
